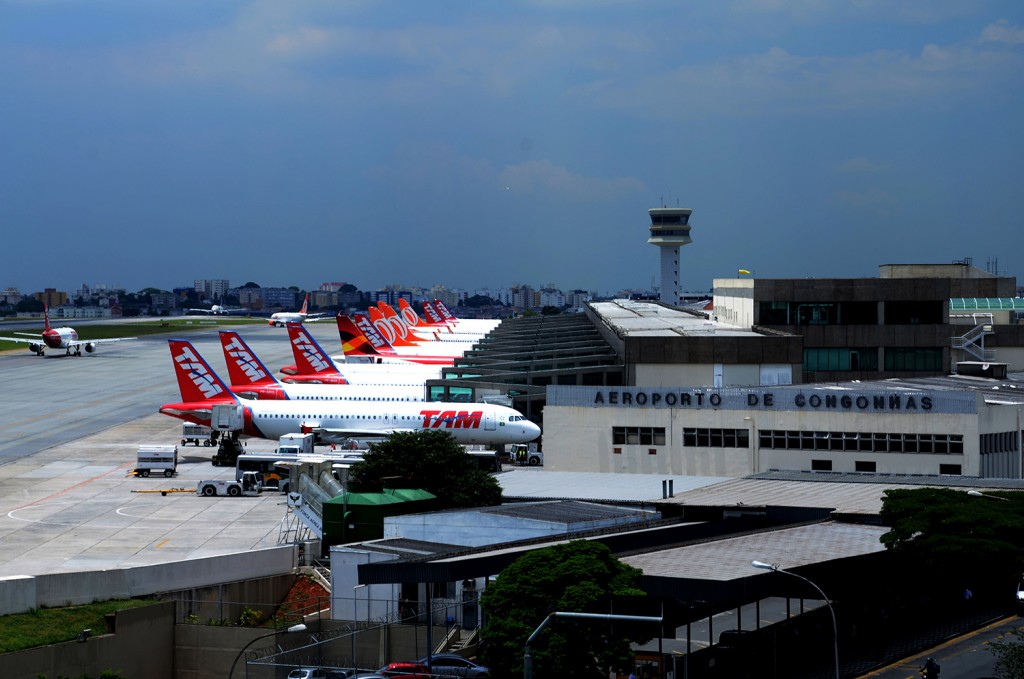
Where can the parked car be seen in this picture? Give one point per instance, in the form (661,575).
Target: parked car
(405,670)
(308,673)
(454,665)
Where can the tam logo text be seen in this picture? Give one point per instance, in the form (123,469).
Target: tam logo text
(309,351)
(451,419)
(198,373)
(245,360)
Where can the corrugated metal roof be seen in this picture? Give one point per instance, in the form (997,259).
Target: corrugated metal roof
(986,304)
(538,483)
(566,512)
(729,559)
(643,318)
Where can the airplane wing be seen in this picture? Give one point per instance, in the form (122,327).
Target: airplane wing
(200,311)
(339,434)
(313,318)
(105,340)
(37,339)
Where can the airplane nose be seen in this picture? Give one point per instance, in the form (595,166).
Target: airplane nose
(532,429)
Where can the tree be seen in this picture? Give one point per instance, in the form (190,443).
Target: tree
(430,460)
(1009,657)
(580,576)
(956,539)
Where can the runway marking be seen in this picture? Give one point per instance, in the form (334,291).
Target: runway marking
(80,483)
(161,543)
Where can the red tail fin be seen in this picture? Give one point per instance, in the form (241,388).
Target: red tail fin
(443,310)
(310,358)
(396,321)
(369,333)
(392,332)
(305,305)
(431,314)
(244,368)
(353,340)
(196,379)
(408,314)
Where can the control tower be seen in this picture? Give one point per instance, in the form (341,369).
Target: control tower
(670,229)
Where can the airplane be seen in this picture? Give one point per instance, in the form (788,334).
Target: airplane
(202,390)
(314,366)
(217,310)
(61,338)
(413,333)
(283,317)
(370,338)
(250,378)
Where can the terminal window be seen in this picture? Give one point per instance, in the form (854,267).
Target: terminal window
(646,436)
(694,437)
(868,442)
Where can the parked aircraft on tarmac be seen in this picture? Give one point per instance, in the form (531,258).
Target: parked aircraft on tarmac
(313,365)
(335,421)
(250,378)
(60,338)
(383,337)
(218,310)
(283,317)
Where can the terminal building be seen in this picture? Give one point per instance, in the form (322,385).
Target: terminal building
(913,372)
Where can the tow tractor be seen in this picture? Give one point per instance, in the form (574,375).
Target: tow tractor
(250,485)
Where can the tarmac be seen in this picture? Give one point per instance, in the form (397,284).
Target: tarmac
(69,430)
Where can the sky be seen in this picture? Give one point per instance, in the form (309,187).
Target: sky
(487,144)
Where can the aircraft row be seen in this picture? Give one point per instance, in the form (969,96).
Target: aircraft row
(333,420)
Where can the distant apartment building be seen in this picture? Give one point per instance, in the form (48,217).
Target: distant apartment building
(279,298)
(10,296)
(550,297)
(163,301)
(51,297)
(323,298)
(212,288)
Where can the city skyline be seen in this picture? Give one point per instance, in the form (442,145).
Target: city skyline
(465,143)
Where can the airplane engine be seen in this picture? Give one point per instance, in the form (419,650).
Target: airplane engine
(36,348)
(90,347)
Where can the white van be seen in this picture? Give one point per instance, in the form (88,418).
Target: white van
(152,459)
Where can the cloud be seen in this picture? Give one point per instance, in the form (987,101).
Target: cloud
(544,177)
(1002,31)
(861,165)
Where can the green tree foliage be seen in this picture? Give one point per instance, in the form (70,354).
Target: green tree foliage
(479,301)
(430,460)
(580,576)
(1009,657)
(947,533)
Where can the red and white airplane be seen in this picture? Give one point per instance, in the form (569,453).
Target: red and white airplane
(383,335)
(60,338)
(250,378)
(337,421)
(314,366)
(281,318)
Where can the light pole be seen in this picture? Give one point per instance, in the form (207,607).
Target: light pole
(355,621)
(978,493)
(835,628)
(294,628)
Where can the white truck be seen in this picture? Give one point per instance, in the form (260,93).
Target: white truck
(295,444)
(194,433)
(156,459)
(250,484)
(523,455)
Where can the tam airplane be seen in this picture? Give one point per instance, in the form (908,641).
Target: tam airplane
(384,338)
(413,334)
(314,366)
(250,378)
(281,318)
(61,338)
(337,421)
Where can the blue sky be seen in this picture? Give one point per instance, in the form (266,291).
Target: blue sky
(478,144)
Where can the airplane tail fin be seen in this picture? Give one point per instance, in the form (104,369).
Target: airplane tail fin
(443,310)
(395,319)
(310,358)
(432,315)
(46,318)
(244,367)
(196,379)
(408,314)
(393,331)
(305,305)
(368,331)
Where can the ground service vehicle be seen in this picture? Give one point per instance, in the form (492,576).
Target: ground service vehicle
(454,665)
(295,444)
(487,460)
(249,485)
(194,433)
(522,455)
(156,459)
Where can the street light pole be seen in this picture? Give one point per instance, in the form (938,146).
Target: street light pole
(355,620)
(835,628)
(294,628)
(978,493)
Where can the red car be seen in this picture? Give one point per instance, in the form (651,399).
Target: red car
(405,670)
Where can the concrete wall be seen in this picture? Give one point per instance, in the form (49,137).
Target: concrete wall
(64,589)
(142,645)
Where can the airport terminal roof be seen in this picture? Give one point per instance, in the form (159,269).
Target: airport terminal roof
(641,318)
